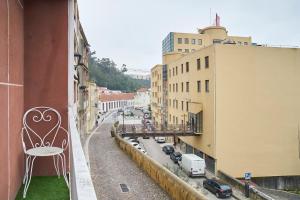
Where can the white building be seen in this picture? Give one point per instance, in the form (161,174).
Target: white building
(113,101)
(142,98)
(138,74)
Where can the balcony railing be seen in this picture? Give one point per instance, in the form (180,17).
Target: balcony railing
(81,183)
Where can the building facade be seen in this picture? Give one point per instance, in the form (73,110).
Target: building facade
(142,98)
(113,101)
(81,74)
(157,95)
(92,106)
(243,100)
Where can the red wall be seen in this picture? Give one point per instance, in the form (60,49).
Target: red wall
(11,96)
(46,62)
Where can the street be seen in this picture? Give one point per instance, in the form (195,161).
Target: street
(110,167)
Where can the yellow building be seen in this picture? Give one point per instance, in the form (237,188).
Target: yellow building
(244,101)
(156,94)
(92,106)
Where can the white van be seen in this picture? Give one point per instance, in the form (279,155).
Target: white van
(192,164)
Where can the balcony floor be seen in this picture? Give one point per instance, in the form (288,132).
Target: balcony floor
(46,188)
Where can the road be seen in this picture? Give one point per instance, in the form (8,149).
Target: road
(155,151)
(110,167)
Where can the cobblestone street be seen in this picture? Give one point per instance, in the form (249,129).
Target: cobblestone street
(111,167)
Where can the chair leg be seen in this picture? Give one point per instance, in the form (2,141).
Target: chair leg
(63,164)
(27,161)
(56,166)
(28,178)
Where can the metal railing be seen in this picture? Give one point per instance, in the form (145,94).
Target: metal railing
(82,187)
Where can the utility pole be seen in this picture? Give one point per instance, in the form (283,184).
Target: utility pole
(123,122)
(184,123)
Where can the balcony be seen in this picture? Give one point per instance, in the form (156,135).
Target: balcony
(52,187)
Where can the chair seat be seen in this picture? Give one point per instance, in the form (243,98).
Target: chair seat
(44,151)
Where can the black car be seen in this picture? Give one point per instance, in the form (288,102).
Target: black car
(175,156)
(217,187)
(168,149)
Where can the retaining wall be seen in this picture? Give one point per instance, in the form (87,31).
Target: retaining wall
(173,185)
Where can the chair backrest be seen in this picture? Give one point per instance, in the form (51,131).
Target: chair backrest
(42,128)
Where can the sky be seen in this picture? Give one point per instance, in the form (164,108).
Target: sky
(131,31)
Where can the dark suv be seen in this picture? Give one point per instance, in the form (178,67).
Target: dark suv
(168,149)
(175,156)
(217,187)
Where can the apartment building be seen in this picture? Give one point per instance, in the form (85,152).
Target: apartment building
(190,42)
(243,100)
(157,94)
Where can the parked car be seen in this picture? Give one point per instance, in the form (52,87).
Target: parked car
(146,137)
(192,164)
(160,139)
(217,187)
(168,149)
(175,156)
(134,140)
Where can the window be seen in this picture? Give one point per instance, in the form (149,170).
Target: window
(187,67)
(173,103)
(206,85)
(176,87)
(199,86)
(173,71)
(198,64)
(187,86)
(169,72)
(170,87)
(181,105)
(173,87)
(245,43)
(179,40)
(193,50)
(186,40)
(176,104)
(170,102)
(193,41)
(182,68)
(179,50)
(176,120)
(176,70)
(182,87)
(239,42)
(170,117)
(199,41)
(186,50)
(206,62)
(217,41)
(187,106)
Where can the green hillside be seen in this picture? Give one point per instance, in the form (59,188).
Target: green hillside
(104,73)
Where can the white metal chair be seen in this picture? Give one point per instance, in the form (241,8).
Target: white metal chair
(43,135)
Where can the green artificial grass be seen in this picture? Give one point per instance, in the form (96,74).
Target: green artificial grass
(45,188)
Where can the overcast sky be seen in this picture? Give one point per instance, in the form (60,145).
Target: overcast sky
(131,31)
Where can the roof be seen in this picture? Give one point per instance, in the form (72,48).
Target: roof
(116,96)
(142,90)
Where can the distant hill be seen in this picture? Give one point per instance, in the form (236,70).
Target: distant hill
(104,73)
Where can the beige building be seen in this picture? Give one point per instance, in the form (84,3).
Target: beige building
(157,94)
(92,106)
(243,100)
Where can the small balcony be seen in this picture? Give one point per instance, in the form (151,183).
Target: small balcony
(54,187)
